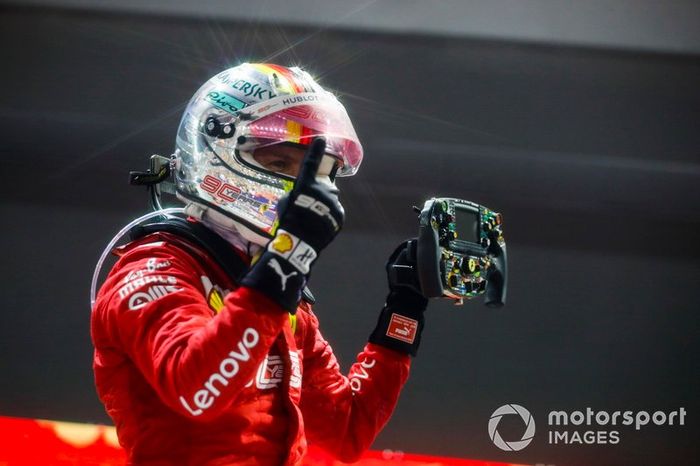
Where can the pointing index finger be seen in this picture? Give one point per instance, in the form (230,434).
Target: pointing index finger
(311,162)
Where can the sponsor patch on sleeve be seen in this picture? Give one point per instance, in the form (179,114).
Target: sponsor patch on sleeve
(147,284)
(402,328)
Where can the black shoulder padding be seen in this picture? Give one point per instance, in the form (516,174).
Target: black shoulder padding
(201,236)
(214,245)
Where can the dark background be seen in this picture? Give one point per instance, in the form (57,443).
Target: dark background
(591,155)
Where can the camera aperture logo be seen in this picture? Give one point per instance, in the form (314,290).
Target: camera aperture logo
(515,445)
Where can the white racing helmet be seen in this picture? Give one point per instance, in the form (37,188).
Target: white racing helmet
(239,111)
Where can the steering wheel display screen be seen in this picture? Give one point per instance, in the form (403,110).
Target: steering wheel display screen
(467,222)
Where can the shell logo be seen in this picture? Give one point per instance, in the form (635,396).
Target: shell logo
(282,243)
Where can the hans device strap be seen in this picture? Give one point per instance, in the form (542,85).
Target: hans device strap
(214,245)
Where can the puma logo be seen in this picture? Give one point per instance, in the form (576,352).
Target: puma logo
(278,269)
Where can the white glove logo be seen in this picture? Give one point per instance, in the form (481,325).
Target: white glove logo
(529,427)
(317,207)
(278,269)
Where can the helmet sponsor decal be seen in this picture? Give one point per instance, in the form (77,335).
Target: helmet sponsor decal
(297,99)
(218,188)
(246,88)
(225,102)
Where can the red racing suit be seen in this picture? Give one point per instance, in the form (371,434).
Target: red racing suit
(195,371)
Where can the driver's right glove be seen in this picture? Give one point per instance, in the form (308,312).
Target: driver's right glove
(310,217)
(401,320)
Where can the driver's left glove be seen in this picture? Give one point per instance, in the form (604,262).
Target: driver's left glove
(401,319)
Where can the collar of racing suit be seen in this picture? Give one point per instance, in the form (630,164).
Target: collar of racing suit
(227,229)
(230,234)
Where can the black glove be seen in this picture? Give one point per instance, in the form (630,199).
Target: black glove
(497,281)
(401,321)
(310,216)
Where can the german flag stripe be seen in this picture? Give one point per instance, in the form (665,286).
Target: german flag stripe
(307,135)
(288,76)
(293,131)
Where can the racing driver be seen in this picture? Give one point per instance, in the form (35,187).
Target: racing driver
(207,351)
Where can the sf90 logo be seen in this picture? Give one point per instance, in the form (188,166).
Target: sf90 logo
(219,189)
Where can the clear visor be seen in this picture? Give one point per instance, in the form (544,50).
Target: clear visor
(326,168)
(299,119)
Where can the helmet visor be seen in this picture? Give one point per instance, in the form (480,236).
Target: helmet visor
(301,118)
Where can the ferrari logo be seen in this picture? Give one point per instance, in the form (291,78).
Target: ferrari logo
(215,300)
(213,294)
